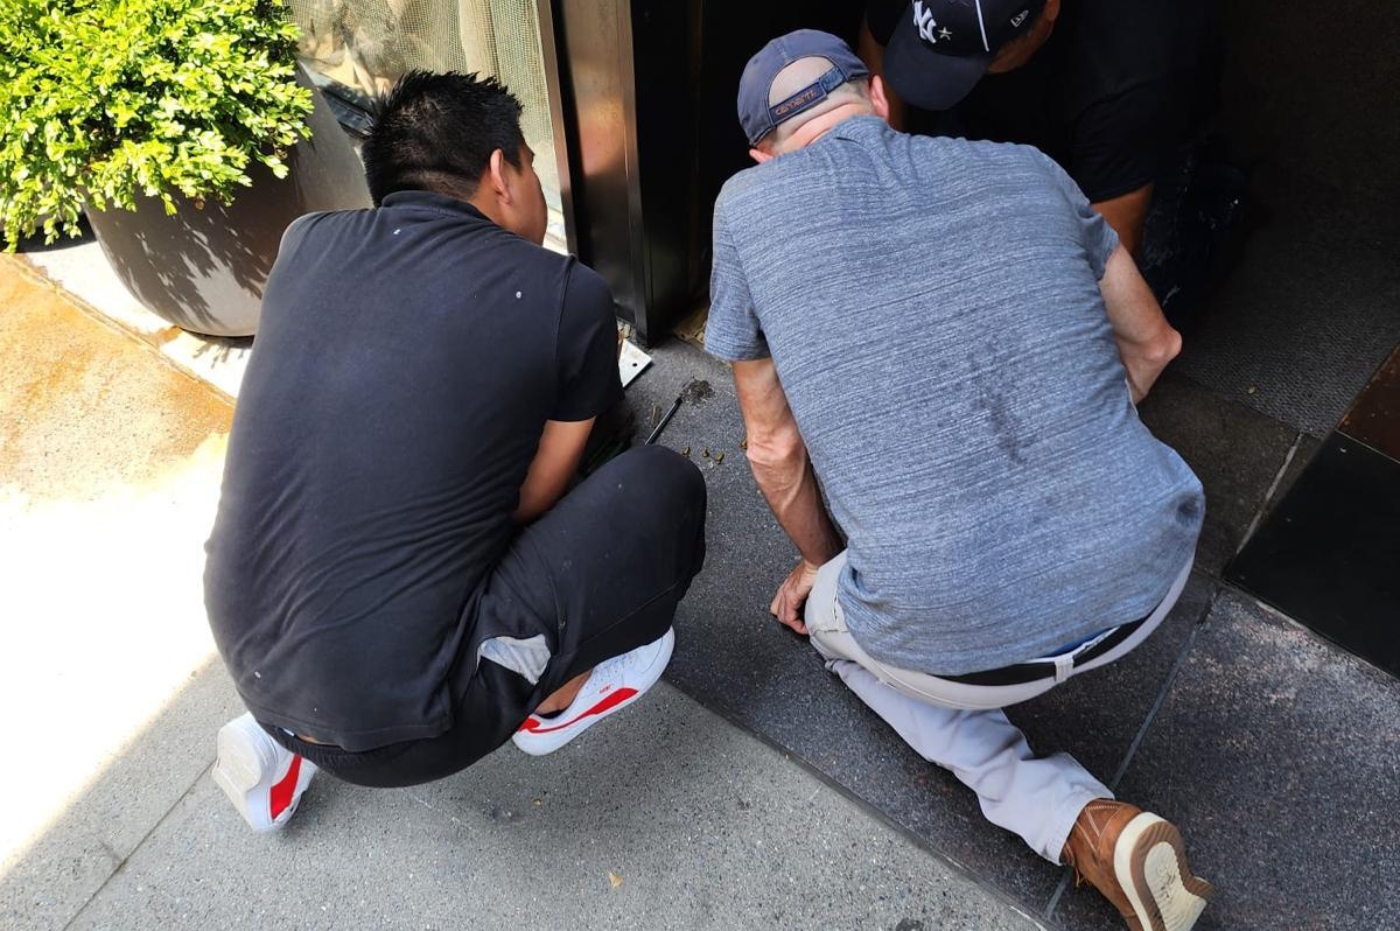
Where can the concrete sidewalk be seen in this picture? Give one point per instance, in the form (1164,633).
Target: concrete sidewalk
(670,816)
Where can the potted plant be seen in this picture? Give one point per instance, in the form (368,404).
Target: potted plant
(186,132)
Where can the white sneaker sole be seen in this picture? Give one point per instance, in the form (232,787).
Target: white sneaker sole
(541,744)
(245,755)
(1149,862)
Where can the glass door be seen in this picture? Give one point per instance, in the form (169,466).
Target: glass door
(356,49)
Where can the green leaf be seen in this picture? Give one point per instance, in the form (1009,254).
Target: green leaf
(103,100)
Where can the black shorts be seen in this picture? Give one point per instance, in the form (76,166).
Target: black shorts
(597,576)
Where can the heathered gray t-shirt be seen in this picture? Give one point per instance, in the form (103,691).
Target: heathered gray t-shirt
(933,310)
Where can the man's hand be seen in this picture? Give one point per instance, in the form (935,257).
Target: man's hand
(792,596)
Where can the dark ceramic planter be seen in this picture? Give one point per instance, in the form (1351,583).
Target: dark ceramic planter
(204,270)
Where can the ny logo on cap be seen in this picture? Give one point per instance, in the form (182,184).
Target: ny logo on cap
(923,18)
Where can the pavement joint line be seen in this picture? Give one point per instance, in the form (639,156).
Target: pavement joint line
(1269,494)
(789,756)
(1054,902)
(1299,626)
(994,892)
(122,861)
(38,276)
(150,341)
(1162,693)
(1141,735)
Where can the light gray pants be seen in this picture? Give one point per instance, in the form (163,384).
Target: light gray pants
(962,727)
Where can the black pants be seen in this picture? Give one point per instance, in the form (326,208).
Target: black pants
(599,575)
(1196,205)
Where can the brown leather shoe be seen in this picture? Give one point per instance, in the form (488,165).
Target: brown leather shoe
(1138,862)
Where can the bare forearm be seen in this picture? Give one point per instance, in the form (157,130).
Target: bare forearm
(780,463)
(790,486)
(556,460)
(1146,342)
(1128,215)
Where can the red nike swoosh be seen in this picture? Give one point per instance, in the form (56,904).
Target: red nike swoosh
(283,791)
(534,725)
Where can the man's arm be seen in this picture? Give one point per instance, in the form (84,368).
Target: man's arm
(784,474)
(1127,215)
(1146,342)
(555,462)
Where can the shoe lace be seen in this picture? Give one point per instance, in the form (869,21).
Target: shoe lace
(630,660)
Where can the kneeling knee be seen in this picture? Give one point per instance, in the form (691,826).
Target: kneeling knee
(669,475)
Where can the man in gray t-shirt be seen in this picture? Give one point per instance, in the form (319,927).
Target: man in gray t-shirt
(948,338)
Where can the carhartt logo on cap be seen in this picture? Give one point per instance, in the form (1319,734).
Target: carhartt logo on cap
(797,102)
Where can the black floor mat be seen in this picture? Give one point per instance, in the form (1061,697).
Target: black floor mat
(1329,553)
(1311,306)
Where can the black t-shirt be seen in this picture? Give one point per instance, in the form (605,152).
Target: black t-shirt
(1108,96)
(407,360)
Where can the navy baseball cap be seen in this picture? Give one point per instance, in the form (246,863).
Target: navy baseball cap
(758,114)
(940,49)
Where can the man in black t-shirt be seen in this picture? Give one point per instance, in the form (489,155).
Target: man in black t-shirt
(397,580)
(1104,87)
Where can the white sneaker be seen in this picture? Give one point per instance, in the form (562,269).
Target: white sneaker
(263,779)
(614,684)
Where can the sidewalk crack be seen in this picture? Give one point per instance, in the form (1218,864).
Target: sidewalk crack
(122,861)
(1269,494)
(1146,725)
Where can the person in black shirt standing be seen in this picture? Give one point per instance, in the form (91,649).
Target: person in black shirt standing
(1108,88)
(397,580)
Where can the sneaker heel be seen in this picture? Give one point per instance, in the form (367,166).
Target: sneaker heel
(242,758)
(1167,895)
